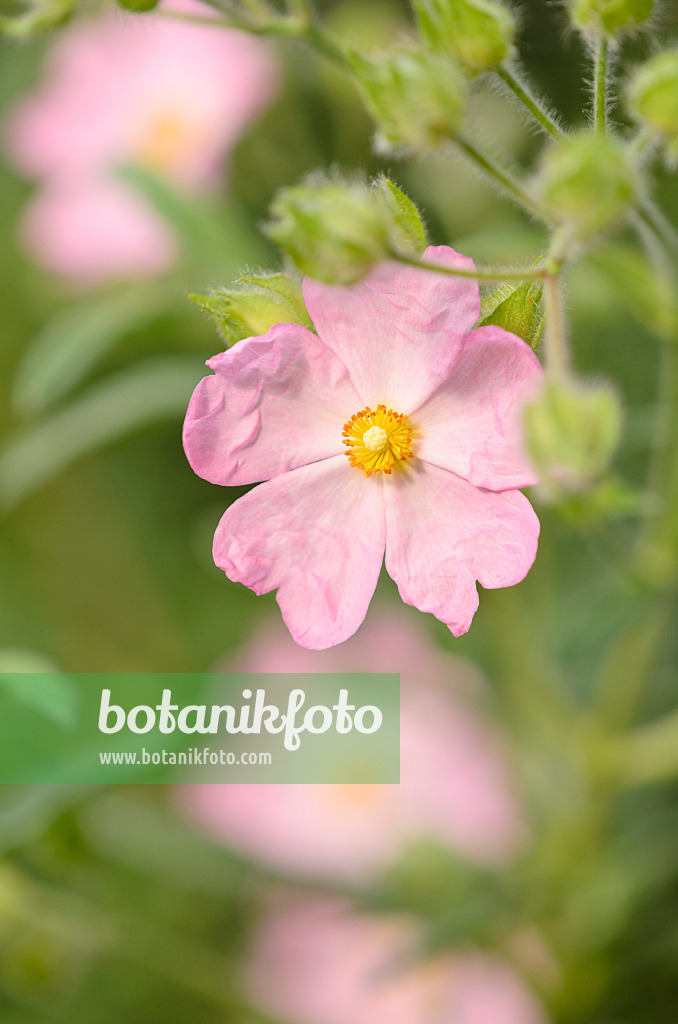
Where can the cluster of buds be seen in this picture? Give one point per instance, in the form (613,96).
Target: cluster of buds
(416,94)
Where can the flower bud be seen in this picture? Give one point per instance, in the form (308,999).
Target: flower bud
(653,96)
(516,308)
(252,310)
(610,17)
(572,432)
(478,33)
(332,231)
(586,182)
(416,98)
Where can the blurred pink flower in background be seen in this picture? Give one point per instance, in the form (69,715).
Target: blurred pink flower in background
(455,787)
(167,95)
(315,961)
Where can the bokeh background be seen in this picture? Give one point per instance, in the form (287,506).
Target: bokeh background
(142,904)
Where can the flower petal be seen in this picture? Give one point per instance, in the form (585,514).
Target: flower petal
(443,534)
(316,534)
(400,330)
(472,424)
(275,402)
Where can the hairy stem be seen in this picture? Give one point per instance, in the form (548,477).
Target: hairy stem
(600,86)
(475,273)
(502,177)
(535,107)
(555,346)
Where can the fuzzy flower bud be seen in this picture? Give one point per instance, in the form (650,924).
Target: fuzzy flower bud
(252,309)
(416,98)
(587,182)
(478,33)
(335,231)
(653,96)
(572,432)
(610,17)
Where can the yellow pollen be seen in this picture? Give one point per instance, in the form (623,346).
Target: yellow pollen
(378,439)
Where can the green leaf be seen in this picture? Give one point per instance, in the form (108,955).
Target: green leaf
(156,389)
(35,681)
(76,340)
(407,220)
(516,308)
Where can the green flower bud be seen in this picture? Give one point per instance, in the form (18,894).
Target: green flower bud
(479,33)
(572,432)
(610,17)
(408,233)
(653,96)
(332,231)
(416,98)
(586,182)
(516,308)
(137,6)
(252,310)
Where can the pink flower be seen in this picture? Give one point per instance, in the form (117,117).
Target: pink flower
(317,962)
(122,89)
(426,408)
(455,786)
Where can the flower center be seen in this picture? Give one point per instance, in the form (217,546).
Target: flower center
(377,439)
(169,136)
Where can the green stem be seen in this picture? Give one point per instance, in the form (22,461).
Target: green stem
(499,175)
(600,86)
(324,44)
(642,144)
(651,215)
(659,542)
(530,102)
(476,273)
(300,9)
(259,8)
(628,666)
(555,346)
(222,21)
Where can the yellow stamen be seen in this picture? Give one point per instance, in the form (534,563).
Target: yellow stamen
(378,439)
